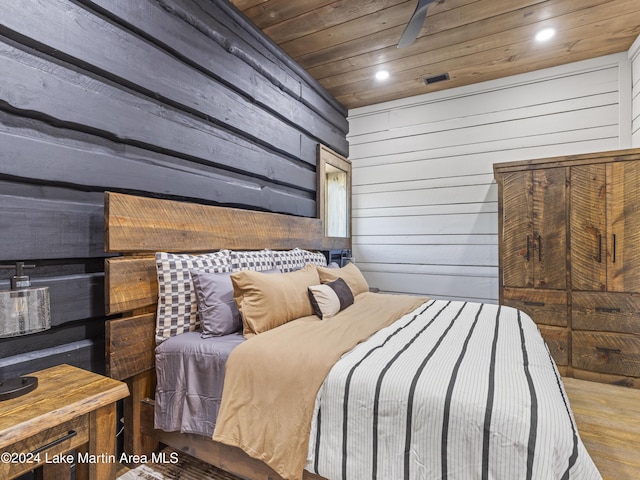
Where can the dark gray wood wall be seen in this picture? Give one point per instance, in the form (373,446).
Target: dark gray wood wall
(170,98)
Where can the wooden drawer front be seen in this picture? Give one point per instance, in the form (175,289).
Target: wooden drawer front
(614,312)
(606,352)
(29,447)
(544,307)
(558,342)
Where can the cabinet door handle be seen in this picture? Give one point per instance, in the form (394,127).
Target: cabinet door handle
(608,350)
(607,310)
(528,247)
(614,248)
(71,434)
(599,248)
(534,304)
(539,248)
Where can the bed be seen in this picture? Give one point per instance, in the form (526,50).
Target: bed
(364,406)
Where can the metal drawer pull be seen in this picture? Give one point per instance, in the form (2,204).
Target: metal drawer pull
(614,248)
(599,248)
(607,310)
(534,304)
(71,434)
(528,247)
(608,350)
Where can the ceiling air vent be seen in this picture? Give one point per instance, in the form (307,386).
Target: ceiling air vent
(436,79)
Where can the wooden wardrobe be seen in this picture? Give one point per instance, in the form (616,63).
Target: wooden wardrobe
(569,250)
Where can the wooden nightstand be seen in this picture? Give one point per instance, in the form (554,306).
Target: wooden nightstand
(71,409)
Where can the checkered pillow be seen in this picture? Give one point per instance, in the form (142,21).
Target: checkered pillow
(317,258)
(177,301)
(288,260)
(258,260)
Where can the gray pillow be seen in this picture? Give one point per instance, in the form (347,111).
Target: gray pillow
(219,314)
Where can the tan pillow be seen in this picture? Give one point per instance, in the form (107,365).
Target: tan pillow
(349,273)
(267,301)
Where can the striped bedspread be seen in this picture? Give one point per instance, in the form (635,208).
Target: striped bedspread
(451,391)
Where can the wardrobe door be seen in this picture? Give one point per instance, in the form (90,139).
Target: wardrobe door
(534,229)
(588,228)
(517,229)
(623,219)
(549,228)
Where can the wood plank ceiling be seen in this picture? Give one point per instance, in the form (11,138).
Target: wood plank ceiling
(344,43)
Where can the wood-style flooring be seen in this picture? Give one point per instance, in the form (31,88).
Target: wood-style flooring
(608,419)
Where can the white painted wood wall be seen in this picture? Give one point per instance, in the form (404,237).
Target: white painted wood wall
(634,57)
(424,198)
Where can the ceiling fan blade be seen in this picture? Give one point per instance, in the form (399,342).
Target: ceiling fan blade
(412,30)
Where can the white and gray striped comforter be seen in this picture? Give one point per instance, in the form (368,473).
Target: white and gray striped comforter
(451,391)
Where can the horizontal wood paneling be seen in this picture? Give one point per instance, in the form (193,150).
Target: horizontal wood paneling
(634,56)
(488,131)
(462,239)
(240,61)
(179,99)
(52,228)
(85,354)
(62,335)
(452,286)
(423,187)
(414,195)
(73,297)
(83,36)
(456,224)
(470,255)
(141,122)
(60,155)
(456,157)
(311,93)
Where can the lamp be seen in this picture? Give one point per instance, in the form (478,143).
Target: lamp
(23,310)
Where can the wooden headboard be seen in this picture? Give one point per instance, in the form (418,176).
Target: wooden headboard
(137,227)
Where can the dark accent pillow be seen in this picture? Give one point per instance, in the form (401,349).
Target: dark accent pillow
(330,298)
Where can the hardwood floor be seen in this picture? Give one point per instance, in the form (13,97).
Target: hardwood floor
(122,469)
(608,419)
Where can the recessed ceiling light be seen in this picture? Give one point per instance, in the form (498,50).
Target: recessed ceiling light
(545,34)
(382,75)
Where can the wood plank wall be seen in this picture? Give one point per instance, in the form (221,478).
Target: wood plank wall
(634,56)
(179,99)
(424,199)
